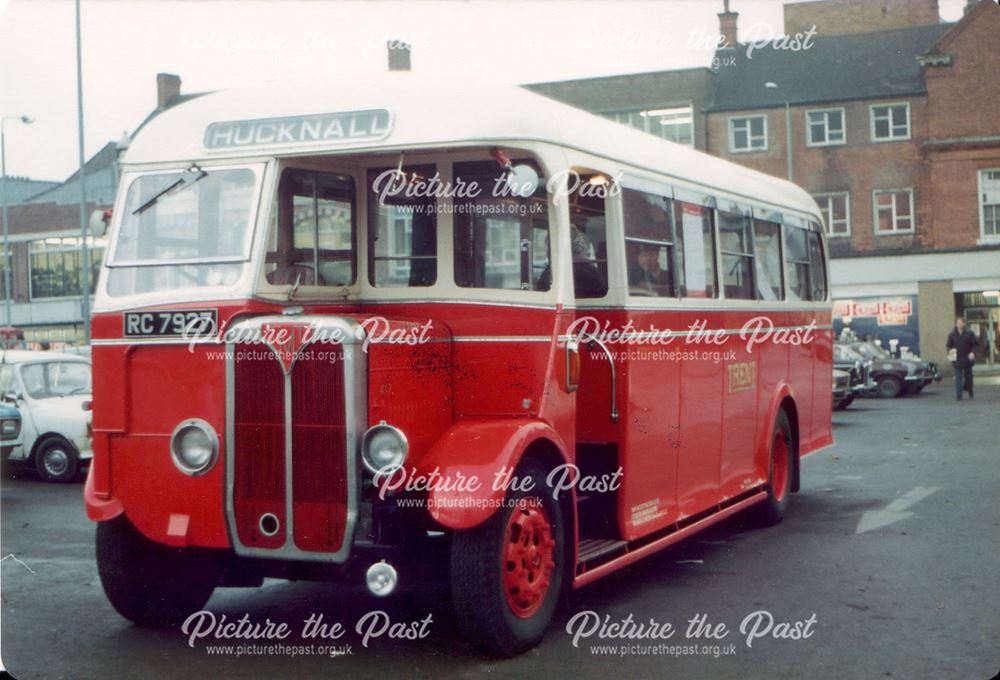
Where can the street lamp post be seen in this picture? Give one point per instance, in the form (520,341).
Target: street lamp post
(788,129)
(6,221)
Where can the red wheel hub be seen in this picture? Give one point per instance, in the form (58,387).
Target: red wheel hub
(779,462)
(528,558)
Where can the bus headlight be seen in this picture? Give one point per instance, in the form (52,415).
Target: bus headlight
(194,446)
(383,446)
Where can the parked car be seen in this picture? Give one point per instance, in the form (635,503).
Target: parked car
(891,375)
(51,390)
(920,374)
(10,430)
(841,388)
(859,368)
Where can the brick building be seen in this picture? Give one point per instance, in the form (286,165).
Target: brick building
(891,119)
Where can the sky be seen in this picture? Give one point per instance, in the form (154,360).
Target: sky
(217,44)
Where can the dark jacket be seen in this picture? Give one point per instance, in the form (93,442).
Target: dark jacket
(962,343)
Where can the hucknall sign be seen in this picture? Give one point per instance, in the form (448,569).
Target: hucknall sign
(346,126)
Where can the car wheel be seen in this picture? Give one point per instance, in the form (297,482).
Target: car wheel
(508,573)
(779,483)
(889,386)
(57,460)
(146,582)
(845,402)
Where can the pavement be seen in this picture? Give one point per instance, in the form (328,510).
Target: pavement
(886,566)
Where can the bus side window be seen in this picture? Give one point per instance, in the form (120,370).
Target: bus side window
(402,231)
(588,240)
(817,267)
(797,261)
(499,238)
(737,256)
(767,244)
(649,244)
(313,244)
(696,245)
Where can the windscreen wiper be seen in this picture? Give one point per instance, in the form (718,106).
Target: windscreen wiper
(190,176)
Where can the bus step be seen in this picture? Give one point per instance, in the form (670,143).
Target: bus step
(594,548)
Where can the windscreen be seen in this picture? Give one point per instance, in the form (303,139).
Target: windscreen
(184,229)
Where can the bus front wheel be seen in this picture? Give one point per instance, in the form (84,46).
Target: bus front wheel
(146,582)
(779,484)
(507,573)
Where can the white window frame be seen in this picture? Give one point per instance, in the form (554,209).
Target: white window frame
(648,120)
(93,243)
(732,136)
(847,211)
(894,231)
(826,126)
(891,137)
(984,238)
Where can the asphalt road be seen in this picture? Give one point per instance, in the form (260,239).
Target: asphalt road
(890,550)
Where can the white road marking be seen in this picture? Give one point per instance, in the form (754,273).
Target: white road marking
(690,561)
(11,556)
(894,512)
(849,477)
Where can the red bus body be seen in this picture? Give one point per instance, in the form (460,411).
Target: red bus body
(477,385)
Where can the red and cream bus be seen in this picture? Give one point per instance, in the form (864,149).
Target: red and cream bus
(344,325)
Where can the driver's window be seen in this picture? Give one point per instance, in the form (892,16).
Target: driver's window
(314,242)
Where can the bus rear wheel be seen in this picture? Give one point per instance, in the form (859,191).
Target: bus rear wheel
(146,582)
(779,484)
(508,573)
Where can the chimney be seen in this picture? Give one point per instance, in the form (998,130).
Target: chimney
(399,55)
(727,26)
(168,86)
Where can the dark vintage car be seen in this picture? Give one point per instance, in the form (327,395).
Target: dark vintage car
(859,368)
(919,374)
(891,376)
(841,389)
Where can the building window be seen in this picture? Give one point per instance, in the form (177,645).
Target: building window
(675,124)
(825,127)
(989,204)
(55,266)
(893,211)
(890,122)
(748,133)
(836,209)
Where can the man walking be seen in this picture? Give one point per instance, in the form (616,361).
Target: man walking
(963,342)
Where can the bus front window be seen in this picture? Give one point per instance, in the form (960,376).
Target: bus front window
(183,230)
(313,244)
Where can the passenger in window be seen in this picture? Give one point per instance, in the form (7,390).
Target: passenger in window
(646,273)
(587,279)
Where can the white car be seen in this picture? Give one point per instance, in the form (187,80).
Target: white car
(51,390)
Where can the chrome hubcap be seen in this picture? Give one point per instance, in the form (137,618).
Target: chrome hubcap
(56,462)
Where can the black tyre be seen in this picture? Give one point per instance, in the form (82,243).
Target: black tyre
(508,573)
(146,582)
(779,483)
(845,402)
(56,460)
(889,386)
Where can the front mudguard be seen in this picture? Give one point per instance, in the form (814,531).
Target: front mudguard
(487,450)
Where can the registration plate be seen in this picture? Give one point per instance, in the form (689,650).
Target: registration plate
(172,323)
